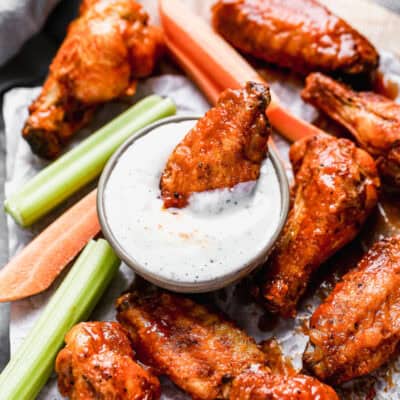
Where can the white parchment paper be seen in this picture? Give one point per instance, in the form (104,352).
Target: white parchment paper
(21,165)
(235,301)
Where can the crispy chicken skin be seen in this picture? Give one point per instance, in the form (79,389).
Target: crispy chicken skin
(225,147)
(197,349)
(202,352)
(258,385)
(356,329)
(299,34)
(98,363)
(334,191)
(106,49)
(372,119)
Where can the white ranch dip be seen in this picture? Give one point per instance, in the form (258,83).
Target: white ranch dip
(218,233)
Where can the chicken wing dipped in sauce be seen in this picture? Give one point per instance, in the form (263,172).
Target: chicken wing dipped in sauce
(302,35)
(357,328)
(98,363)
(225,147)
(372,119)
(335,189)
(107,48)
(203,353)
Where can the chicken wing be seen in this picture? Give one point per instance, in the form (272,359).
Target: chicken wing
(256,384)
(335,189)
(106,49)
(225,147)
(372,119)
(357,328)
(202,352)
(98,363)
(299,34)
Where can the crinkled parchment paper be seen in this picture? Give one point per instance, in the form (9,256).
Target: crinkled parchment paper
(235,300)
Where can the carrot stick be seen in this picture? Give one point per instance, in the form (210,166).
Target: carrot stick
(195,38)
(214,65)
(36,267)
(288,125)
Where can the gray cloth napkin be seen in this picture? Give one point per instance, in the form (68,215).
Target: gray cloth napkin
(393,5)
(19,20)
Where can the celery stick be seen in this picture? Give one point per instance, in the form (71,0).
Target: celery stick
(32,364)
(82,164)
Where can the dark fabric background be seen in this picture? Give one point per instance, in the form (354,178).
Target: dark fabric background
(393,5)
(28,67)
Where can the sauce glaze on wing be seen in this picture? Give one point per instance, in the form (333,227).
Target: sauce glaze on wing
(372,119)
(255,384)
(98,363)
(299,34)
(225,147)
(357,328)
(108,47)
(204,353)
(335,190)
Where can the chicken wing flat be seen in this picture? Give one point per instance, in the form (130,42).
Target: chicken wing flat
(256,384)
(302,35)
(98,363)
(225,147)
(202,352)
(334,191)
(372,119)
(357,328)
(106,49)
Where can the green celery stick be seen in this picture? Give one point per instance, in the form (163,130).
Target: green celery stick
(32,364)
(84,163)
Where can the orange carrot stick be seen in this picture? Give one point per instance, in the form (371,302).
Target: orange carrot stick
(214,65)
(288,125)
(196,39)
(36,267)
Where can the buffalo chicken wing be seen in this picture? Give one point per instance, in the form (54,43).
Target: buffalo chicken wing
(203,353)
(299,34)
(372,119)
(257,384)
(357,328)
(107,48)
(98,363)
(225,147)
(335,189)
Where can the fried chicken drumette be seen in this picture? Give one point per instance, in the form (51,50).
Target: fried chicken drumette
(335,189)
(203,353)
(225,147)
(373,120)
(107,48)
(302,35)
(98,363)
(356,329)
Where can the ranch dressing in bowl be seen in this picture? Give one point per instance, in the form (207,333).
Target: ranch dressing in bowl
(218,238)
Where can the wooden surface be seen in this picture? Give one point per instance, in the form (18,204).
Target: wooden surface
(381,26)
